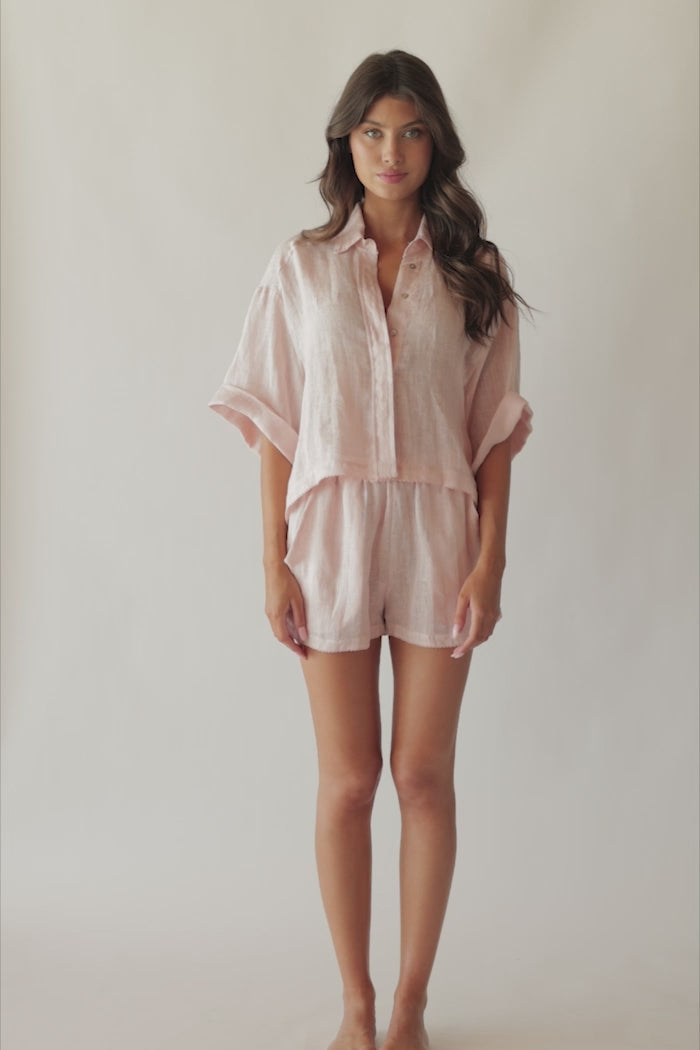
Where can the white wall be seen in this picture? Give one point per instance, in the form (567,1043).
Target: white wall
(159,765)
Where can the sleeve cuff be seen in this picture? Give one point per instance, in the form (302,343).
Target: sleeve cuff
(512,418)
(254,419)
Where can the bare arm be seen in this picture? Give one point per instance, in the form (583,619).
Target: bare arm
(283,598)
(274,478)
(493,484)
(481,591)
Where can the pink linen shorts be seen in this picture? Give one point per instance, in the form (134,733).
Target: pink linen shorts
(381,557)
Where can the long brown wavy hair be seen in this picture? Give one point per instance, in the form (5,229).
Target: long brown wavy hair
(473,268)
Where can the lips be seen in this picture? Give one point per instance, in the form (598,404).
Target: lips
(392,176)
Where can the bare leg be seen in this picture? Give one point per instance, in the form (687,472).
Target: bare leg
(428,689)
(344,695)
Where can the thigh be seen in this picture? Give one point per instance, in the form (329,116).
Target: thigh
(343,691)
(330,541)
(428,690)
(431,545)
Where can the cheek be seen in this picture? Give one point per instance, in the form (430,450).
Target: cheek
(354,150)
(360,155)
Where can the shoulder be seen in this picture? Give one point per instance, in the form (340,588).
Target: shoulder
(296,261)
(293,256)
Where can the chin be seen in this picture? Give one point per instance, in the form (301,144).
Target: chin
(399,192)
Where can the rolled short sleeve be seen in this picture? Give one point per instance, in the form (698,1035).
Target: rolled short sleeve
(497,411)
(262,391)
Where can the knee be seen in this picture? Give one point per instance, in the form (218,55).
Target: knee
(422,783)
(352,788)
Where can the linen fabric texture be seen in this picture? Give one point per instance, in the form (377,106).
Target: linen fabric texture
(349,392)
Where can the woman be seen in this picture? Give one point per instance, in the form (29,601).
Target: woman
(377,376)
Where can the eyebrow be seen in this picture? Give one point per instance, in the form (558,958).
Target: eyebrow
(410,123)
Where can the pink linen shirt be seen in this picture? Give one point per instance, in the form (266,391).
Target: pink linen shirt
(344,388)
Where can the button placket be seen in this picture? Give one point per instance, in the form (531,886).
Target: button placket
(396,316)
(382,371)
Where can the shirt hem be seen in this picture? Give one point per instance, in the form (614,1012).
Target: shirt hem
(450,479)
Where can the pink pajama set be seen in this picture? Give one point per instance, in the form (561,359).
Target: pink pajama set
(386,418)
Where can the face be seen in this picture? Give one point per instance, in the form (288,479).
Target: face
(391,150)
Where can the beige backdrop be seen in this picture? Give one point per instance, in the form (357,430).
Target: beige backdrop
(159,766)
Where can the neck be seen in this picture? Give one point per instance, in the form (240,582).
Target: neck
(391,222)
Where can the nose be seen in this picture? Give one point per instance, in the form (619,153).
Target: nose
(392,150)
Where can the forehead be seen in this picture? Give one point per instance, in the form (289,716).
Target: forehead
(392,112)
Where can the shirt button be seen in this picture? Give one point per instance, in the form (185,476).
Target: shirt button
(411,266)
(392,331)
(404,295)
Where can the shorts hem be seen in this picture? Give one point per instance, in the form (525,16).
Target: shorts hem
(325,644)
(428,641)
(360,642)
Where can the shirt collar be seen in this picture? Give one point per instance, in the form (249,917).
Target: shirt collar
(354,231)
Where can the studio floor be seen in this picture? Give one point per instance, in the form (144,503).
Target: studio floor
(161,990)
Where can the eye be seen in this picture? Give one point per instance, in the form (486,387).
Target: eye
(372,133)
(414,133)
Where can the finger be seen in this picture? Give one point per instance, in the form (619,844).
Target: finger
(476,632)
(294,633)
(299,618)
(295,647)
(460,612)
(482,628)
(281,633)
(468,624)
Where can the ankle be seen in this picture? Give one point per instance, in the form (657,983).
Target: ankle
(411,1001)
(359,998)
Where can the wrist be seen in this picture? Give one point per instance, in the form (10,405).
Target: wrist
(272,561)
(492,560)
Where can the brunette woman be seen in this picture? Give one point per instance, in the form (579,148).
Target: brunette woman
(378,377)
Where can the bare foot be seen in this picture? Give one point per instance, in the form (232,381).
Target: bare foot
(357,1032)
(353,1037)
(406,1030)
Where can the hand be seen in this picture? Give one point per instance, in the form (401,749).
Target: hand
(284,608)
(481,595)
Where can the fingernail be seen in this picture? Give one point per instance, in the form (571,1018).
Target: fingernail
(303,634)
